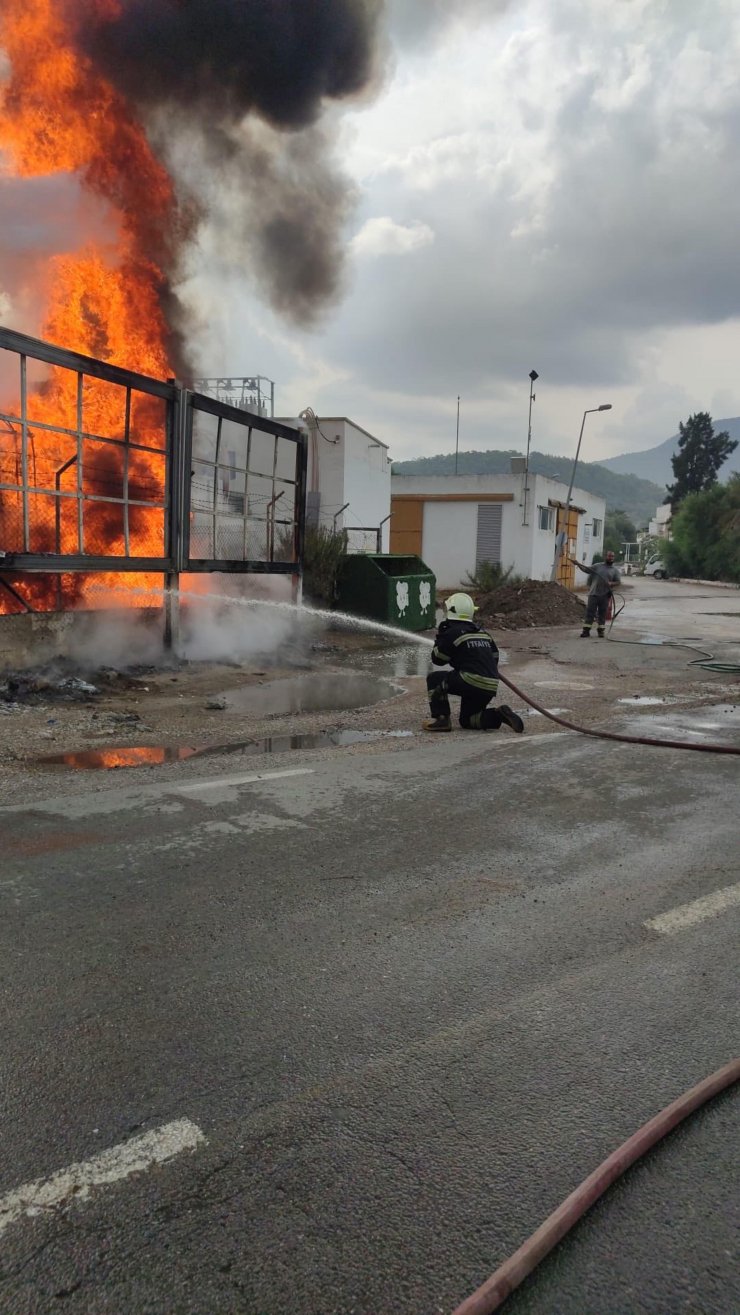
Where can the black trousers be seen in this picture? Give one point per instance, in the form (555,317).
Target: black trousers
(475,714)
(596,610)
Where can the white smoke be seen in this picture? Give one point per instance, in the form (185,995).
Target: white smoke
(222,620)
(109,638)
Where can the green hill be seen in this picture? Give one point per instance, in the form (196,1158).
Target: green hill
(638,497)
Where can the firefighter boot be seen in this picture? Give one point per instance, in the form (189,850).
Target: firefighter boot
(585,633)
(600,631)
(438,724)
(511,718)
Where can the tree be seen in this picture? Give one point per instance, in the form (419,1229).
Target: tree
(618,530)
(700,454)
(706,534)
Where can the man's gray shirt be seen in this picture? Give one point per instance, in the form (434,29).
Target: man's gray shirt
(603,577)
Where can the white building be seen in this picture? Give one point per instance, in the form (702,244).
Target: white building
(660,525)
(456,522)
(349,480)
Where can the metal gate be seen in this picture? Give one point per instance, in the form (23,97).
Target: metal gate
(246,496)
(105,470)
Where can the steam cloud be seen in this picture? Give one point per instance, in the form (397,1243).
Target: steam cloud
(205,70)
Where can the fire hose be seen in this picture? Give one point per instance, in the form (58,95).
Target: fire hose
(704,660)
(707,661)
(493,1293)
(616,735)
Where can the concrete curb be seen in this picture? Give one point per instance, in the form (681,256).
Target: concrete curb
(709,584)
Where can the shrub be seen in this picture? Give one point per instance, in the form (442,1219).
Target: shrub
(323,551)
(491,575)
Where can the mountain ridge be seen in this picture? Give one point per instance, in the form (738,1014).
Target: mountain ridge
(654,463)
(638,497)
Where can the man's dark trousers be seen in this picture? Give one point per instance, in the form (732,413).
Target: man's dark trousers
(596,610)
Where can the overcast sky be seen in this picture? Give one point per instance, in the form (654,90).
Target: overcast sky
(547,184)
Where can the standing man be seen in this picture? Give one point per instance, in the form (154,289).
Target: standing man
(603,576)
(473,655)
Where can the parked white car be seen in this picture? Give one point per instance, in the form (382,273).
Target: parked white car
(656,568)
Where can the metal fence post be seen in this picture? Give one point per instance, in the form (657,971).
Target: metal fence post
(380,531)
(179,445)
(300,516)
(172,612)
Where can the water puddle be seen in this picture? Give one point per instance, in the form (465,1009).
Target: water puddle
(378,659)
(719,722)
(154,755)
(562,684)
(314,692)
(554,712)
(372,654)
(315,740)
(109,759)
(645,701)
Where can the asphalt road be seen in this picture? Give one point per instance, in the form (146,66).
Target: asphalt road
(409,1000)
(704,612)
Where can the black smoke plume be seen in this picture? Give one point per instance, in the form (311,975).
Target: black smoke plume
(229,58)
(206,68)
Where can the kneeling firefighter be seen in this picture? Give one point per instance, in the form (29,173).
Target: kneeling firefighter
(473,656)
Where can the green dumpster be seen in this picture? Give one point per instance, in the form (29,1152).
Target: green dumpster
(398,590)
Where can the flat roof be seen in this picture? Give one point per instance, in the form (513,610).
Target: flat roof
(327,420)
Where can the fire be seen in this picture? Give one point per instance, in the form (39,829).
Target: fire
(58,115)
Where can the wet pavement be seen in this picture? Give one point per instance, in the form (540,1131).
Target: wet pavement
(659,608)
(407,1001)
(720,723)
(407,990)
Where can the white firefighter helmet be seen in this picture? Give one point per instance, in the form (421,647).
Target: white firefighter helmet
(460,607)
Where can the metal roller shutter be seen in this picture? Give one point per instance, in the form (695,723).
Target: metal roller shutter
(488,542)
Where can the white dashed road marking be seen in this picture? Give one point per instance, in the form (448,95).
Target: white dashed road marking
(111,1166)
(133,797)
(224,782)
(687,915)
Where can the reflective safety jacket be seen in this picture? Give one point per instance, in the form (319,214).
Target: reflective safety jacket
(471,651)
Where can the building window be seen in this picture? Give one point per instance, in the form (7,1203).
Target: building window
(598,525)
(546,518)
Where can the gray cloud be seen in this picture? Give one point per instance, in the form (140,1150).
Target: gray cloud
(611,209)
(413,22)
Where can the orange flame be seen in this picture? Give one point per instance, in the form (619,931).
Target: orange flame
(57,115)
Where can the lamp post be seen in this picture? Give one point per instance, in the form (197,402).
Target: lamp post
(533,375)
(561,537)
(457,433)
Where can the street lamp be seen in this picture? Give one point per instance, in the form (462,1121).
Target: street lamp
(560,539)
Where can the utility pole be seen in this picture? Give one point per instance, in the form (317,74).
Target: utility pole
(457,433)
(533,375)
